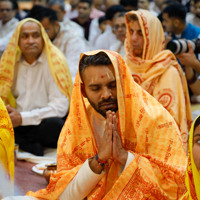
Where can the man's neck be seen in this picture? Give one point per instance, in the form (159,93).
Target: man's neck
(82,20)
(57,31)
(31,59)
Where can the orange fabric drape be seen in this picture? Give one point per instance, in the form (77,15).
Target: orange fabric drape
(192,174)
(56,60)
(158,71)
(146,129)
(6,142)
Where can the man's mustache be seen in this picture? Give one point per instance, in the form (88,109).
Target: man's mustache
(110,100)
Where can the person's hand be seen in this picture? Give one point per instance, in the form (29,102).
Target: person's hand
(189,59)
(119,153)
(15,116)
(105,151)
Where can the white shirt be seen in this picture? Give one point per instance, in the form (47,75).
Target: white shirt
(105,40)
(6,32)
(119,48)
(72,46)
(73,27)
(37,95)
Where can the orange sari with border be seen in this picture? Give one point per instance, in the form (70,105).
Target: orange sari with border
(56,60)
(192,174)
(146,129)
(158,71)
(6,142)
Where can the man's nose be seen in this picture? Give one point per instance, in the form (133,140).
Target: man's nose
(30,39)
(106,94)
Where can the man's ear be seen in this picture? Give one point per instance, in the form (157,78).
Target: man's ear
(83,90)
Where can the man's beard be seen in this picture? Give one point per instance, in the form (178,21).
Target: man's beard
(103,112)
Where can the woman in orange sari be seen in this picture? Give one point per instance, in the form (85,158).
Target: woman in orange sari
(146,131)
(156,70)
(193,169)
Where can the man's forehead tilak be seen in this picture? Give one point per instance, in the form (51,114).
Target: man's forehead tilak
(103,76)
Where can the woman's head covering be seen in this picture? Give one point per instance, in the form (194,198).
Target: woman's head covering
(56,60)
(192,174)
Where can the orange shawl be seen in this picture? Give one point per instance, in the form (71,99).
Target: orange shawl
(56,60)
(158,71)
(146,129)
(6,142)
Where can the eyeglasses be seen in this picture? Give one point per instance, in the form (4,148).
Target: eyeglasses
(123,26)
(5,10)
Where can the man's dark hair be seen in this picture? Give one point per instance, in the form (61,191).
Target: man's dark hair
(197,122)
(176,10)
(112,10)
(131,3)
(98,59)
(101,19)
(90,2)
(41,12)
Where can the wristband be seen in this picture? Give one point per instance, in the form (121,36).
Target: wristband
(100,162)
(193,79)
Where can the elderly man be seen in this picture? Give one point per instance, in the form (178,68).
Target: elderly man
(8,22)
(118,141)
(35,83)
(156,69)
(69,43)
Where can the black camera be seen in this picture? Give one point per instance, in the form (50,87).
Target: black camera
(181,45)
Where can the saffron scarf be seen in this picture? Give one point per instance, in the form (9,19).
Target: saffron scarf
(6,142)
(56,60)
(146,129)
(158,71)
(192,174)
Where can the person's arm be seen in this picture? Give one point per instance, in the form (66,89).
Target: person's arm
(192,80)
(191,67)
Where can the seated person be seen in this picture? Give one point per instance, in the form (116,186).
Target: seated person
(156,70)
(6,145)
(118,141)
(36,86)
(193,169)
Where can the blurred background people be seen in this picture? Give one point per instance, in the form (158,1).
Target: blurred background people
(8,22)
(119,29)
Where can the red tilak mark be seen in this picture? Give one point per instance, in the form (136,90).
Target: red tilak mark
(102,76)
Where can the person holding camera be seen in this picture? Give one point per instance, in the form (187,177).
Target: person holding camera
(184,36)
(156,70)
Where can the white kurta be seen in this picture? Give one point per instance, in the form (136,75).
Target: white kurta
(72,46)
(37,95)
(6,32)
